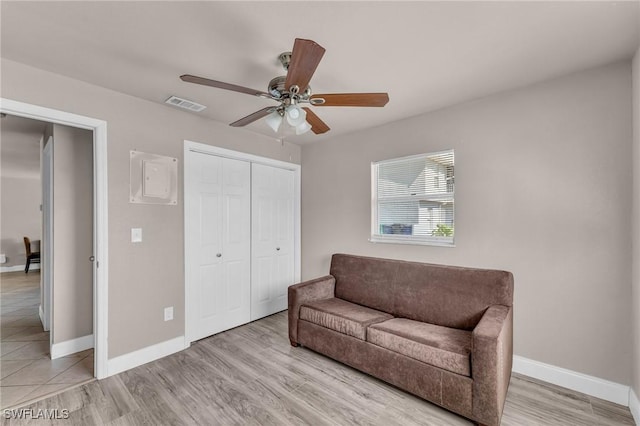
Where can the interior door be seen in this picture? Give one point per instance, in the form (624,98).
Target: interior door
(73,225)
(219,261)
(272,239)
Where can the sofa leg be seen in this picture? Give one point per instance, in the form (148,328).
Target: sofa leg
(294,344)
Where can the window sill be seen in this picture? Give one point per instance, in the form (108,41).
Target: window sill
(397,239)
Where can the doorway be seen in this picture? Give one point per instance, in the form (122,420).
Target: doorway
(99,219)
(45,350)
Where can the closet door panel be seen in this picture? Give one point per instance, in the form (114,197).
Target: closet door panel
(209,301)
(209,221)
(236,242)
(219,197)
(272,239)
(263,276)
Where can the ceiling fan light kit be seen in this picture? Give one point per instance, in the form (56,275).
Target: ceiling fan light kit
(303,128)
(295,115)
(274,120)
(294,89)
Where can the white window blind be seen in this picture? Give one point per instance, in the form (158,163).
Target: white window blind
(413,199)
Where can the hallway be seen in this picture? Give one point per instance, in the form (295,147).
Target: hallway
(26,370)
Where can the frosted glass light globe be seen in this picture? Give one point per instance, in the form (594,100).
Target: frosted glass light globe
(303,128)
(274,120)
(295,115)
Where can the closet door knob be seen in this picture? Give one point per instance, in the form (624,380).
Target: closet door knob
(219,255)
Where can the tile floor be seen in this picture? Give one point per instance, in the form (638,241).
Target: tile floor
(26,371)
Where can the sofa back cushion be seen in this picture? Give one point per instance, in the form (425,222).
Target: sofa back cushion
(449,296)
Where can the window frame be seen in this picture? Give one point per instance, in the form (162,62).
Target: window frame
(428,240)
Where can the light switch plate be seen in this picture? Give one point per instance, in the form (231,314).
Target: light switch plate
(136,235)
(168,313)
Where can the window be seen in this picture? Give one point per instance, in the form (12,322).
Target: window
(412,199)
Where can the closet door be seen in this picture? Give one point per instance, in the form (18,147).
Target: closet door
(219,193)
(272,239)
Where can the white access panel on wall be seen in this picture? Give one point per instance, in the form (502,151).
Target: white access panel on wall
(272,238)
(218,191)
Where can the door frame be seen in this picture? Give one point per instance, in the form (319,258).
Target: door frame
(46,245)
(191,146)
(100,217)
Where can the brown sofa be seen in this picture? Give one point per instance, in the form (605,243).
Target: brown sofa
(442,333)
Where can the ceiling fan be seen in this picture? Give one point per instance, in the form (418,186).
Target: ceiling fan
(293,89)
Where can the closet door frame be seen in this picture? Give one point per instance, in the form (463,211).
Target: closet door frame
(191,146)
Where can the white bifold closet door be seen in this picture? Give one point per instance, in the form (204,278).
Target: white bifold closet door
(272,238)
(220,244)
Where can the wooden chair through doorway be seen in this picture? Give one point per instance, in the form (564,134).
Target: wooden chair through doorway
(32,256)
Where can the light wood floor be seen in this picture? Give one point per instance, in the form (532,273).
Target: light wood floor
(27,371)
(251,375)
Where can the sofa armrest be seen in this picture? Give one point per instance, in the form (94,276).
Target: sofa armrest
(316,289)
(491,359)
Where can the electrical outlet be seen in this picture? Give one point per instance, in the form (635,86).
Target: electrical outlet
(168,313)
(136,235)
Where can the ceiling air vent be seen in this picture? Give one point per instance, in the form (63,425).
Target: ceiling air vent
(185,104)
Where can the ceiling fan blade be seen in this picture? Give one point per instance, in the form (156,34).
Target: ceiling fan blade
(253,117)
(317,125)
(221,85)
(352,99)
(305,57)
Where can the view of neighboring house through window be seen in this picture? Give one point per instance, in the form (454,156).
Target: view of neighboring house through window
(413,199)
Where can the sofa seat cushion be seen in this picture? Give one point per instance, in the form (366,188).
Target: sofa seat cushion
(342,316)
(443,347)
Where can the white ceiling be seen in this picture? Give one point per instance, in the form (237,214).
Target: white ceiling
(20,147)
(426,55)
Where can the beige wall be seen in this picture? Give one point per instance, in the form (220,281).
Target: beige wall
(72,233)
(146,277)
(20,217)
(636,224)
(543,189)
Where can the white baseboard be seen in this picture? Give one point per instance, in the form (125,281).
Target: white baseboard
(71,346)
(142,356)
(634,406)
(593,386)
(16,268)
